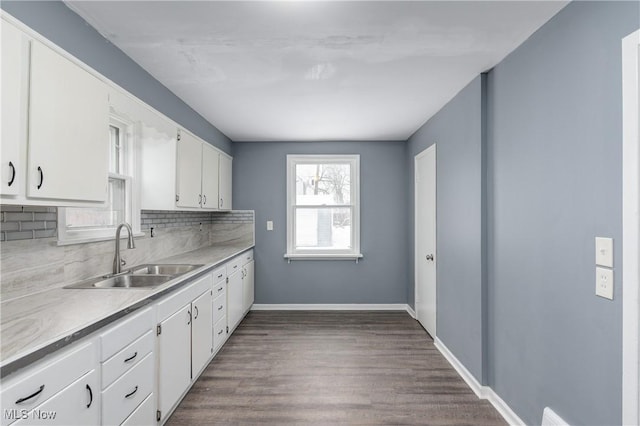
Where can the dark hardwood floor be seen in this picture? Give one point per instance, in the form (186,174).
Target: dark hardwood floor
(331,368)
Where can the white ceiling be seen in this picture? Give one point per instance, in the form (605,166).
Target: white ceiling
(302,70)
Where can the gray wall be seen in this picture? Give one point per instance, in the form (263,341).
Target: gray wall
(65,28)
(554,154)
(259,177)
(456,130)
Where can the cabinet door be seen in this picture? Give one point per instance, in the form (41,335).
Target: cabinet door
(68,130)
(225,182)
(77,404)
(15,63)
(201,332)
(189,171)
(174,358)
(209,177)
(248,286)
(234,299)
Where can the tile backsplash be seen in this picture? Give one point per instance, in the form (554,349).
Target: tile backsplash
(27,222)
(171,219)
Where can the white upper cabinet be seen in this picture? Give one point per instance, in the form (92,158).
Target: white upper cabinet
(225,183)
(209,177)
(15,75)
(189,171)
(68,130)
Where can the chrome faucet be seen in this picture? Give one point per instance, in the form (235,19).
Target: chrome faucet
(117,261)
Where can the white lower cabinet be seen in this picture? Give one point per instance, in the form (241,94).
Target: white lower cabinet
(145,414)
(234,300)
(248,281)
(201,337)
(77,404)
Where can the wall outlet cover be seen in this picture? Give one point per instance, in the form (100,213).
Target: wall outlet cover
(269,225)
(604,252)
(604,283)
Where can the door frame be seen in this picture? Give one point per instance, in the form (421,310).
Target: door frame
(415,239)
(630,229)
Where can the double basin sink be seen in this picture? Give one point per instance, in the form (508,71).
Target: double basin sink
(149,275)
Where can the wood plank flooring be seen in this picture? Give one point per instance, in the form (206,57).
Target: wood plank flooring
(330,368)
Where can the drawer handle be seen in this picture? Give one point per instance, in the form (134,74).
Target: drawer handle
(33,395)
(220,289)
(220,276)
(220,307)
(131,357)
(90,396)
(131,394)
(220,332)
(197,312)
(13,173)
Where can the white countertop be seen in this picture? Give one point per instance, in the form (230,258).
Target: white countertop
(34,325)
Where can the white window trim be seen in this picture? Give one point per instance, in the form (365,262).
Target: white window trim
(323,254)
(132,201)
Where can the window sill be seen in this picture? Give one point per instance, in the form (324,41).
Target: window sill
(294,256)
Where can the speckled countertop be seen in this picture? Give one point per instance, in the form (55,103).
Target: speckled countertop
(33,326)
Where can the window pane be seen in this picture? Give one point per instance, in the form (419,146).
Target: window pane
(323,228)
(115,150)
(101,217)
(323,184)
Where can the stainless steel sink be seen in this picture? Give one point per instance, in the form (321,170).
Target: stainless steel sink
(152,269)
(142,276)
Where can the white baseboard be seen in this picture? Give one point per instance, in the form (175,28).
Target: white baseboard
(330,307)
(411,312)
(483,392)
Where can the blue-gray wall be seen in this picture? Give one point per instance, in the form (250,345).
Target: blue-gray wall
(69,31)
(259,182)
(555,183)
(525,186)
(457,132)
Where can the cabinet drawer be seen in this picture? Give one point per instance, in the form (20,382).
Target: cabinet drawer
(220,332)
(234,265)
(77,404)
(219,307)
(121,398)
(247,256)
(125,332)
(219,275)
(124,360)
(34,386)
(169,305)
(219,289)
(145,414)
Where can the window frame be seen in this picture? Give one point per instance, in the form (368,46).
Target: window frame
(127,142)
(294,253)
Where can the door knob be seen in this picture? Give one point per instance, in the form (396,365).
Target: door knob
(430,257)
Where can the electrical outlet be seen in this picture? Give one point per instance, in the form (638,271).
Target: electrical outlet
(604,283)
(604,252)
(269,225)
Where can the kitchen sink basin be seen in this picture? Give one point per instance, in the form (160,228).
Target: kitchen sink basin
(142,276)
(163,269)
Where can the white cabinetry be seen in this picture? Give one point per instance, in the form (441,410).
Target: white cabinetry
(219,307)
(66,384)
(183,340)
(199,176)
(248,281)
(234,293)
(15,76)
(68,130)
(226,177)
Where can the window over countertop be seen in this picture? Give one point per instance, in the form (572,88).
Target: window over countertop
(323,207)
(86,224)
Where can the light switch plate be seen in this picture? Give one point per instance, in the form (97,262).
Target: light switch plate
(269,225)
(604,251)
(604,283)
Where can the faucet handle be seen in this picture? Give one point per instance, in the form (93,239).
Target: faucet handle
(123,262)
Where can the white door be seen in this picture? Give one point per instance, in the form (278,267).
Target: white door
(174,358)
(209,177)
(248,285)
(68,130)
(189,171)
(425,239)
(226,168)
(15,50)
(234,299)
(201,332)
